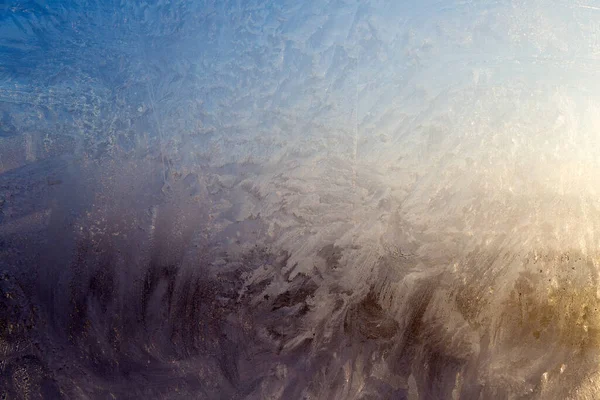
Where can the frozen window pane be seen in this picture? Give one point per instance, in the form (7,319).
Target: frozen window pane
(317,199)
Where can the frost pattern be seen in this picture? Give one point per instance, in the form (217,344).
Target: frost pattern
(318,199)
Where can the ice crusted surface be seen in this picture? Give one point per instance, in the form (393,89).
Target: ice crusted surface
(317,199)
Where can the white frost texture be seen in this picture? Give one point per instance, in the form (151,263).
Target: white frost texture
(229,199)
